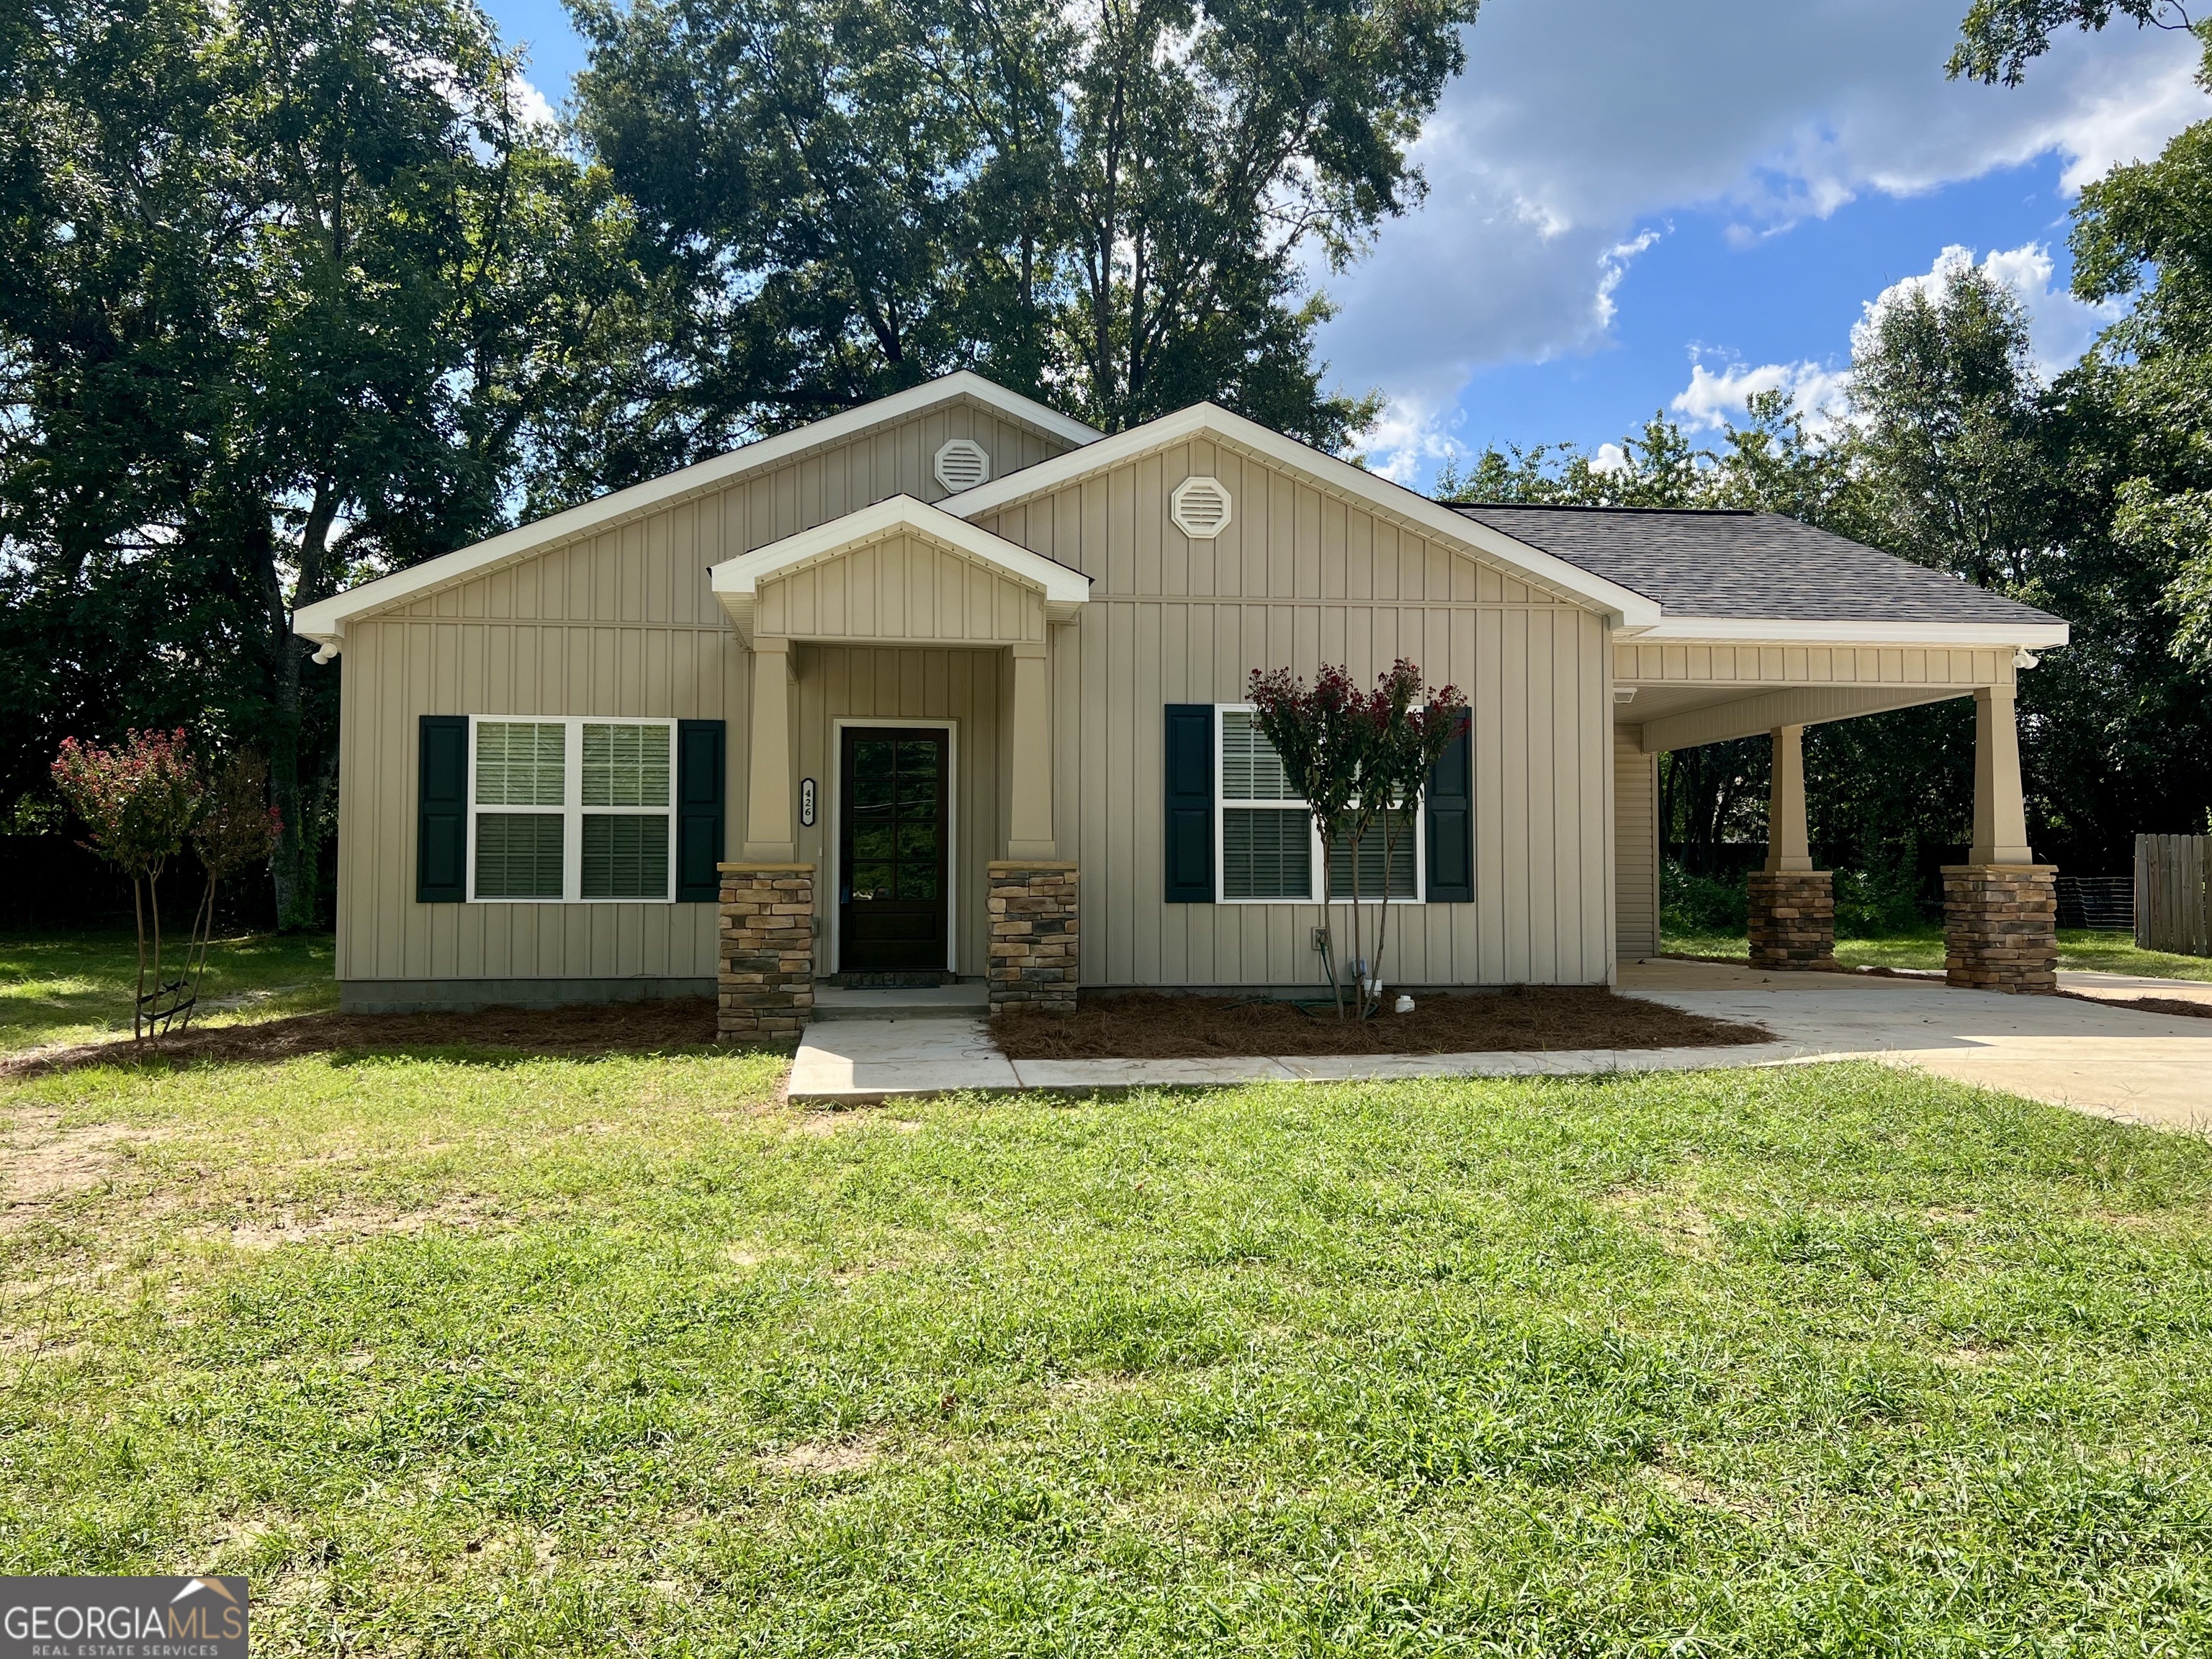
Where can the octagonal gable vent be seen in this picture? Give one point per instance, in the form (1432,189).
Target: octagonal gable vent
(962,464)
(1199,507)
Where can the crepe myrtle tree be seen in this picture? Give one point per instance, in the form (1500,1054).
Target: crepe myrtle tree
(1358,758)
(139,801)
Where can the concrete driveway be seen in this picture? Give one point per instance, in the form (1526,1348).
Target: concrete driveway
(2115,1061)
(2119,1062)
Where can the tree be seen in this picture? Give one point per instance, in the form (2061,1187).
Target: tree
(138,801)
(1107,210)
(1999,37)
(294,290)
(1360,761)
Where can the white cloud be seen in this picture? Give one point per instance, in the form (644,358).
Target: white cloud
(1575,127)
(1712,398)
(530,104)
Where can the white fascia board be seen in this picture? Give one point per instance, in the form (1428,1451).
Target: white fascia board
(901,515)
(324,621)
(1732,630)
(1622,607)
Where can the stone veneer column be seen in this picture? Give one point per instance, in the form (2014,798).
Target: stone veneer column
(1032,960)
(2001,926)
(1793,918)
(765,953)
(1793,906)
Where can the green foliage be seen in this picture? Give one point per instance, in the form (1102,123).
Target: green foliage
(290,285)
(1870,903)
(1109,210)
(1999,37)
(1691,903)
(480,1354)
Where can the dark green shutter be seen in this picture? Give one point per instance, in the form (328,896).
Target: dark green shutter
(700,791)
(1190,803)
(1450,801)
(441,811)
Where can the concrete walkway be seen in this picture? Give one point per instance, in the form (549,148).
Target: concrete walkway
(2118,1062)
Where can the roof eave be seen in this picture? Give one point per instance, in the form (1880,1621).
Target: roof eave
(2043,633)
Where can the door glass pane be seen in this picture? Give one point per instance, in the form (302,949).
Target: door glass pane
(915,841)
(917,759)
(625,856)
(625,765)
(1372,847)
(1266,852)
(1250,770)
(874,841)
(872,881)
(917,881)
(520,764)
(917,796)
(518,855)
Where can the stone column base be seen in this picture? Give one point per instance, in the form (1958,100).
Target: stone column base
(2001,926)
(1032,961)
(765,954)
(1793,918)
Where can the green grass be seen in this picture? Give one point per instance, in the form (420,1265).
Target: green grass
(2078,948)
(77,987)
(465,1355)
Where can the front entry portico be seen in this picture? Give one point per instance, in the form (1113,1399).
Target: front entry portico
(901,659)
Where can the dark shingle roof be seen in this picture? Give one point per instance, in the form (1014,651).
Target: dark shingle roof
(1721,563)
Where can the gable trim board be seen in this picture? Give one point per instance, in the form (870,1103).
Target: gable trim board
(324,621)
(736,582)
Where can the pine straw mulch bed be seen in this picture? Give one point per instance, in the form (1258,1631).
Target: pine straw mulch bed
(1147,1025)
(587,1029)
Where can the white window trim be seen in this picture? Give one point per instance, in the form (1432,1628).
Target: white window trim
(1318,893)
(572,807)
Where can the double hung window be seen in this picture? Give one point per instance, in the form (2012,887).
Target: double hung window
(1270,850)
(571,809)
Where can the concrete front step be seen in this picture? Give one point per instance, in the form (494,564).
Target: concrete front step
(902,1002)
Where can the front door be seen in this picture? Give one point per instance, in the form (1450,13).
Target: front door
(892,855)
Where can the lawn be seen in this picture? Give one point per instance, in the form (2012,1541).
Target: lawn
(2078,948)
(460,1353)
(77,987)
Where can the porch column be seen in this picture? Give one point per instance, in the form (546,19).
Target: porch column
(1030,960)
(1029,821)
(2000,907)
(767,787)
(2000,811)
(1793,906)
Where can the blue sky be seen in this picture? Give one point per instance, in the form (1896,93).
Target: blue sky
(1634,207)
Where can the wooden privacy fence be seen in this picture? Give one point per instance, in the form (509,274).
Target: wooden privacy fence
(2171,911)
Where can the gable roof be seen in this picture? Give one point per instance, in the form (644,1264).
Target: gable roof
(735,581)
(324,621)
(1726,574)
(1625,606)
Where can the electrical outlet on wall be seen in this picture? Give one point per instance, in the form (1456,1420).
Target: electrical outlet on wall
(1320,939)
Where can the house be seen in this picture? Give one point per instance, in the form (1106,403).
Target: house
(950,682)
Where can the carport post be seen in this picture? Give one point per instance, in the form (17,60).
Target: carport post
(2000,907)
(1793,906)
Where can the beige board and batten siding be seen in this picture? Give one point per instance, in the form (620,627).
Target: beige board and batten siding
(904,587)
(1301,577)
(1636,844)
(621,622)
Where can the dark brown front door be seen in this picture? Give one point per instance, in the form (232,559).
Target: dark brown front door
(891,850)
